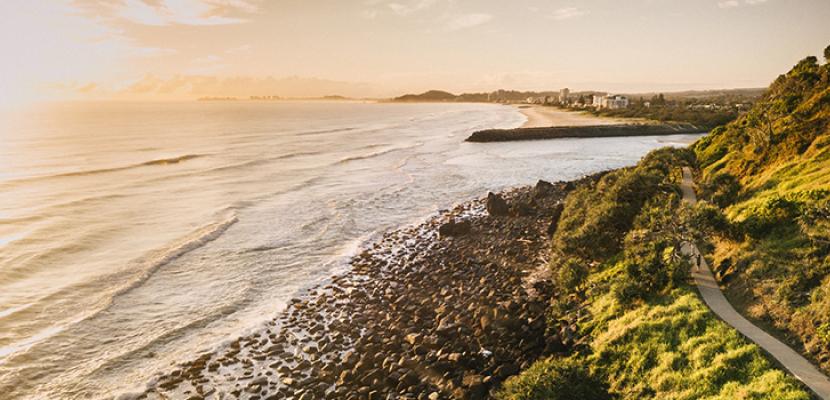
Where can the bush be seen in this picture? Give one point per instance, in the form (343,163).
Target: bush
(722,189)
(596,219)
(648,269)
(776,213)
(570,274)
(709,219)
(823,333)
(555,379)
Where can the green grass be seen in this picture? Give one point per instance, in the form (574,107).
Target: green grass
(671,347)
(674,348)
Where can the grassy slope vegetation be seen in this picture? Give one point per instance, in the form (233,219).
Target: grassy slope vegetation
(769,173)
(625,323)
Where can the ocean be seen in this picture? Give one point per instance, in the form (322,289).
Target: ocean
(134,236)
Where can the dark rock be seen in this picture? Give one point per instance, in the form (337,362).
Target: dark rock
(543,188)
(496,206)
(452,228)
(523,209)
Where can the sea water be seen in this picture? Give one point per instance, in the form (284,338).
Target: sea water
(134,236)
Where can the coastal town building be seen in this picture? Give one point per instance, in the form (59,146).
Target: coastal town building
(564,96)
(610,101)
(540,100)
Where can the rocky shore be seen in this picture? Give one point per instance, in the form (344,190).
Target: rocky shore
(559,132)
(443,310)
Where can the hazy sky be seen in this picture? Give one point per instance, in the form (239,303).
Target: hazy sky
(163,49)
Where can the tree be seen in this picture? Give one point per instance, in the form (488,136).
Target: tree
(827,54)
(658,100)
(760,123)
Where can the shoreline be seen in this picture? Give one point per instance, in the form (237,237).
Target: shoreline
(546,116)
(403,310)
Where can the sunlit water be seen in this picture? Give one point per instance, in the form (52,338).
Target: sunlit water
(133,236)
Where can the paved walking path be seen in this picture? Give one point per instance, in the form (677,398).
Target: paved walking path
(712,295)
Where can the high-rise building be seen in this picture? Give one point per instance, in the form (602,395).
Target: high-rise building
(563,95)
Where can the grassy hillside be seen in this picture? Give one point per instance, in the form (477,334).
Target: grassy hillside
(625,323)
(769,172)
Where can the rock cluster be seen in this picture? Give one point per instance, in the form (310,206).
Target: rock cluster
(418,316)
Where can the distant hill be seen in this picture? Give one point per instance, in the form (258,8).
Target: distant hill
(432,95)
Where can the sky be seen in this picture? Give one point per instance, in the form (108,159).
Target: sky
(184,49)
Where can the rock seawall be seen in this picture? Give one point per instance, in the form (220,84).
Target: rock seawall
(559,132)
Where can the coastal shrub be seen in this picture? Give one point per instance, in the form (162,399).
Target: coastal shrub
(597,218)
(555,379)
(775,214)
(648,268)
(598,230)
(709,219)
(651,261)
(570,274)
(702,118)
(722,189)
(823,333)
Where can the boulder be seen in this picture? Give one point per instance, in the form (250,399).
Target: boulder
(496,206)
(452,228)
(523,209)
(543,188)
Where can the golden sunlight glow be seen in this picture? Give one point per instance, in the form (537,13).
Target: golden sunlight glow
(170,49)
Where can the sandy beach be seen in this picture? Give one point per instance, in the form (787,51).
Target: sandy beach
(542,117)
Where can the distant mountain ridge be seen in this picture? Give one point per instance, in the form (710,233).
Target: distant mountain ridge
(432,95)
